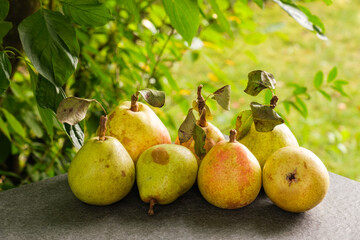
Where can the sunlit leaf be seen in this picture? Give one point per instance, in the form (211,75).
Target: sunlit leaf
(265,118)
(199,138)
(14,123)
(224,23)
(87,12)
(318,80)
(184,17)
(332,75)
(259,80)
(187,128)
(222,97)
(72,110)
(154,97)
(50,43)
(243,124)
(208,114)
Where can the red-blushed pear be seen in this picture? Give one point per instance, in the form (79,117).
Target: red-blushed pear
(165,172)
(136,125)
(295,179)
(229,175)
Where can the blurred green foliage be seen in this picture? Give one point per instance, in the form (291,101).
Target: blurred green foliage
(127,46)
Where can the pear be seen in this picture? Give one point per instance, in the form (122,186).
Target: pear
(229,175)
(263,144)
(213,136)
(295,179)
(165,172)
(137,128)
(102,172)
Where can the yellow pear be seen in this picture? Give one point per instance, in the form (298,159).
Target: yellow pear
(295,179)
(229,175)
(165,172)
(263,144)
(102,172)
(138,129)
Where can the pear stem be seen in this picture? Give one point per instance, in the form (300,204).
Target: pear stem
(232,135)
(102,131)
(200,99)
(134,106)
(273,101)
(202,121)
(151,208)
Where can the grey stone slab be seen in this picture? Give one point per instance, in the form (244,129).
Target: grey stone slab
(49,210)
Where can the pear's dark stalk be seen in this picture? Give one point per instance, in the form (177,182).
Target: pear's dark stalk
(200,99)
(151,208)
(134,106)
(202,121)
(232,135)
(273,101)
(102,130)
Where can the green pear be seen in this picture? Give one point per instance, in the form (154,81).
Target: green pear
(229,175)
(295,179)
(102,172)
(136,129)
(263,144)
(165,172)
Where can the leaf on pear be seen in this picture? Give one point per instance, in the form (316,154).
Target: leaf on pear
(72,110)
(208,115)
(154,97)
(222,97)
(265,118)
(243,124)
(199,138)
(186,129)
(259,80)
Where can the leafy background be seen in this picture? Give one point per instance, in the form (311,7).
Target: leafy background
(108,50)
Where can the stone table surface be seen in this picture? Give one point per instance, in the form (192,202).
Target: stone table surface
(49,210)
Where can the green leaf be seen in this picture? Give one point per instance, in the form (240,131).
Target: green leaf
(338,86)
(224,23)
(47,120)
(222,97)
(302,107)
(259,3)
(4,9)
(72,110)
(328,2)
(265,118)
(131,6)
(4,129)
(258,81)
(303,17)
(187,128)
(184,17)
(9,174)
(168,76)
(88,13)
(199,138)
(332,75)
(325,94)
(287,106)
(30,119)
(298,89)
(14,123)
(50,43)
(243,124)
(5,72)
(268,96)
(47,94)
(154,97)
(5,27)
(75,134)
(318,79)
